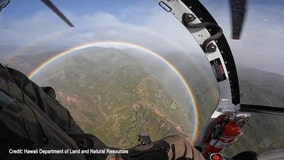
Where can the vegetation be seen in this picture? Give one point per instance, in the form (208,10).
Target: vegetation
(113,97)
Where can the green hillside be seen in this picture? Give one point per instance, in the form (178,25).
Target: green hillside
(113,97)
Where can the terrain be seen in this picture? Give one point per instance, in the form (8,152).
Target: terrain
(114,96)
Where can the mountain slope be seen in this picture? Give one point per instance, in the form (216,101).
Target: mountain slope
(113,97)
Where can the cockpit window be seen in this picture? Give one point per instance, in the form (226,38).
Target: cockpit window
(125,67)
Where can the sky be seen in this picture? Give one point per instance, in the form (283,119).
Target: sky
(32,24)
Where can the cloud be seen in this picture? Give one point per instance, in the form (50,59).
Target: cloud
(27,30)
(141,26)
(153,28)
(97,19)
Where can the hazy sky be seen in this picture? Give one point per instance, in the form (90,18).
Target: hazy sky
(32,24)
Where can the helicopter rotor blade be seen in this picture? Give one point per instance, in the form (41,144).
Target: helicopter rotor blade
(238,12)
(57,11)
(261,109)
(3,4)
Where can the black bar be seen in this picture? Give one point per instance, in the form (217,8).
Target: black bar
(3,4)
(238,12)
(55,10)
(261,109)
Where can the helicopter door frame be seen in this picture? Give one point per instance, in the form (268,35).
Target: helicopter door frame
(209,36)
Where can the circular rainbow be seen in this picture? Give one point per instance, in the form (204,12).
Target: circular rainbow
(130,45)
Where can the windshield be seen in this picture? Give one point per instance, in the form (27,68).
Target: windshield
(129,67)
